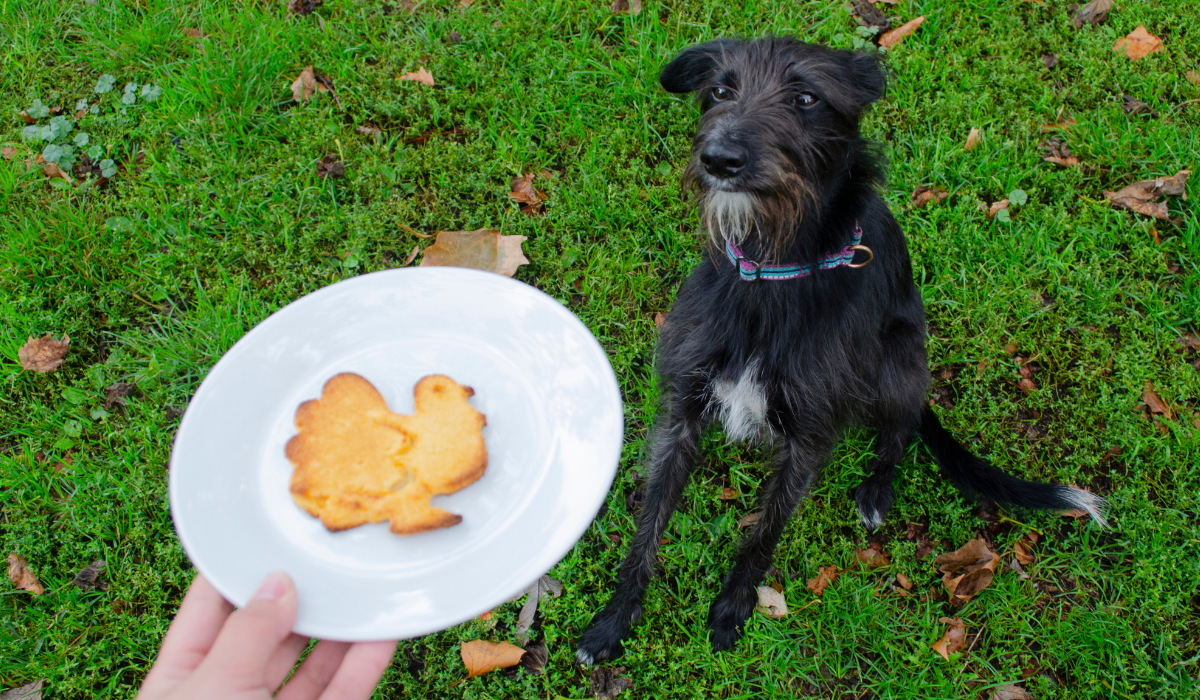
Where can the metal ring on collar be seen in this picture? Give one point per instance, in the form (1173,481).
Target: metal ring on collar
(870,257)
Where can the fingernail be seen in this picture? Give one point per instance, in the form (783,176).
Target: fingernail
(273,587)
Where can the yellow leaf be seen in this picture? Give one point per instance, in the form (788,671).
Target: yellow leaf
(482,657)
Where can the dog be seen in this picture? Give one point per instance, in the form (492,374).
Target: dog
(802,321)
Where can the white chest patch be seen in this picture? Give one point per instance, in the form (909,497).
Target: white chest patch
(742,406)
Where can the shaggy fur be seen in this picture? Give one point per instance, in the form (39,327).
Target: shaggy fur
(778,166)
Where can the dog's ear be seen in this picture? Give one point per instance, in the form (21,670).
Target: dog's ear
(869,80)
(691,68)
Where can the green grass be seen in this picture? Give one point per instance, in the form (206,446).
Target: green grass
(156,275)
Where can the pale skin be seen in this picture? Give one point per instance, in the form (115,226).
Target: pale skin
(214,651)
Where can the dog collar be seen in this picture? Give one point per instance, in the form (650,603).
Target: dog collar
(750,270)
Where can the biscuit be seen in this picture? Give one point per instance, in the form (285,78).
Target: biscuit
(356,462)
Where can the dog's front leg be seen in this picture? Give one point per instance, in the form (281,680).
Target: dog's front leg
(800,462)
(671,461)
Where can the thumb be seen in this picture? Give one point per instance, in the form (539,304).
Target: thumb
(251,635)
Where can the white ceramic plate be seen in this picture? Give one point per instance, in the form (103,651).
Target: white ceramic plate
(554,430)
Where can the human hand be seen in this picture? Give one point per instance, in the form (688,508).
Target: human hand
(212,651)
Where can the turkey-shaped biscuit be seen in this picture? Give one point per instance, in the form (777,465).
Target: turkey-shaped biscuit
(357,462)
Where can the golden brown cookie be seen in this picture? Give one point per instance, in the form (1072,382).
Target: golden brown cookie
(357,462)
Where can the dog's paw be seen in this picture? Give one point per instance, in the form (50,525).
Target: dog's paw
(874,498)
(602,639)
(728,616)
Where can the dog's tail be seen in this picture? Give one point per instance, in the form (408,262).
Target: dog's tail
(975,476)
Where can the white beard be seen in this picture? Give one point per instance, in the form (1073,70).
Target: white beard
(728,216)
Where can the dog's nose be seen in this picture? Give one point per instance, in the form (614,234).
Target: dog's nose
(723,160)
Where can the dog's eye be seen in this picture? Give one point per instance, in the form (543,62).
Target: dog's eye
(804,99)
(721,93)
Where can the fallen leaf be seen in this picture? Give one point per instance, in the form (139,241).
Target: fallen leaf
(749,519)
(412,254)
(924,547)
(1026,385)
(535,658)
(1049,60)
(1094,12)
(825,576)
(1022,552)
(633,7)
(25,117)
(954,639)
(9,152)
(995,207)
(1193,77)
(117,393)
(368,130)
(89,576)
(1055,150)
(872,557)
(52,171)
(1133,105)
(482,657)
(539,589)
(923,195)
(454,38)
(482,249)
(43,354)
(1010,691)
(1156,405)
(1011,348)
(31,691)
(193,33)
(895,36)
(771,603)
(869,16)
(421,76)
(330,166)
(904,582)
(305,85)
(302,8)
(21,576)
(607,682)
(1138,44)
(968,569)
(972,139)
(1142,197)
(659,319)
(523,192)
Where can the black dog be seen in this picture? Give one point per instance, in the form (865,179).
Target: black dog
(803,321)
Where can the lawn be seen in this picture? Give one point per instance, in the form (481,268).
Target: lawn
(215,216)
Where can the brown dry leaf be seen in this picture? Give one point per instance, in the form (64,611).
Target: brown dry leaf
(968,569)
(536,656)
(482,657)
(869,16)
(89,576)
(523,192)
(923,195)
(1138,44)
(954,639)
(1142,197)
(1133,105)
(305,85)
(1193,77)
(1010,691)
(659,319)
(117,393)
(607,682)
(1188,340)
(481,249)
(973,139)
(771,603)
(25,117)
(412,254)
(1055,151)
(890,39)
(728,494)
(421,76)
(43,354)
(368,130)
(825,576)
(1022,552)
(1049,60)
(1094,12)
(330,167)
(1026,385)
(9,152)
(872,557)
(904,582)
(21,576)
(749,519)
(633,7)
(995,207)
(302,8)
(30,691)
(52,171)
(1156,405)
(193,33)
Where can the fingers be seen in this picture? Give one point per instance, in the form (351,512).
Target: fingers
(360,671)
(284,658)
(189,638)
(251,635)
(316,672)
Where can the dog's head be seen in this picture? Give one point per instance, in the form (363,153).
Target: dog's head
(780,119)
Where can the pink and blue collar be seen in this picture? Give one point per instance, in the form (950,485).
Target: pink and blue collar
(750,270)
